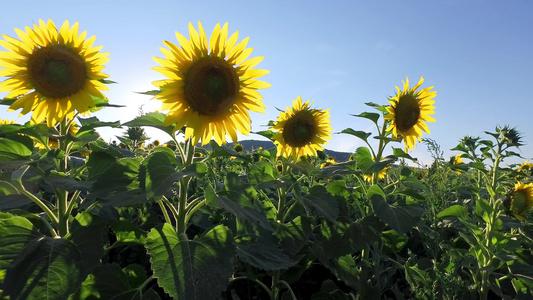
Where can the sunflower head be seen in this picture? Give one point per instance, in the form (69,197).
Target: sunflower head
(211,85)
(53,73)
(409,111)
(521,199)
(525,167)
(457,159)
(301,131)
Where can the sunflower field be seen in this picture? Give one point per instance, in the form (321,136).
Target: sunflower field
(194,218)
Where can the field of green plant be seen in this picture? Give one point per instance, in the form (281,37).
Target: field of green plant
(81,218)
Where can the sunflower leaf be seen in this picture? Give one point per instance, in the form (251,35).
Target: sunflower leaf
(191,269)
(360,134)
(401,154)
(374,117)
(266,133)
(151,119)
(400,217)
(94,122)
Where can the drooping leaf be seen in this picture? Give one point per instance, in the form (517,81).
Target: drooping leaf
(264,254)
(86,234)
(16,232)
(320,201)
(374,117)
(93,122)
(239,204)
(400,217)
(64,182)
(294,235)
(47,268)
(344,236)
(363,159)
(151,119)
(401,154)
(127,233)
(191,269)
(454,211)
(218,151)
(9,147)
(360,134)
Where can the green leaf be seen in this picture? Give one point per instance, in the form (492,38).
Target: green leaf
(338,188)
(454,211)
(266,133)
(360,134)
(363,159)
(16,232)
(218,151)
(320,201)
(374,117)
(127,233)
(15,146)
(239,204)
(47,268)
(152,119)
(294,235)
(160,174)
(87,233)
(402,154)
(381,108)
(400,217)
(345,237)
(112,282)
(264,255)
(191,269)
(119,184)
(61,181)
(10,197)
(93,122)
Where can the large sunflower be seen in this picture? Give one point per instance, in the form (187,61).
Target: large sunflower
(211,85)
(52,72)
(408,112)
(521,199)
(301,130)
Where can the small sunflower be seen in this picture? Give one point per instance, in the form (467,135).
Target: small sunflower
(525,166)
(521,199)
(211,85)
(457,159)
(381,174)
(7,122)
(301,130)
(408,112)
(52,72)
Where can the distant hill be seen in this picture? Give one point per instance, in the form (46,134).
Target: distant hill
(254,144)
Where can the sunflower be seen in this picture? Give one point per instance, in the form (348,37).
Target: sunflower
(381,174)
(408,112)
(52,72)
(521,199)
(210,86)
(301,131)
(458,159)
(525,166)
(7,122)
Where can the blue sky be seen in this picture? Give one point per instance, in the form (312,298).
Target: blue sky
(477,55)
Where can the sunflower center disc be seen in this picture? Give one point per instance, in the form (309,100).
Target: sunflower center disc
(211,86)
(57,72)
(407,112)
(299,129)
